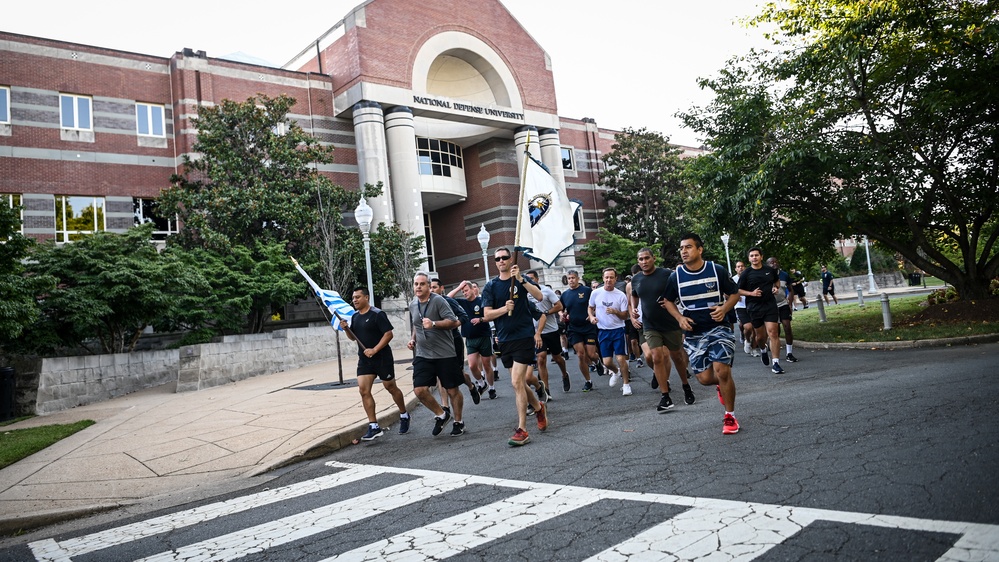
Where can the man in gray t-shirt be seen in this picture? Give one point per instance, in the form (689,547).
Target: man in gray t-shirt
(432,320)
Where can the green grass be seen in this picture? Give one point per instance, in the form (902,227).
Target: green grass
(851,323)
(16,444)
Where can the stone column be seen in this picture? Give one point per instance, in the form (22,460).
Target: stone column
(407,195)
(372,158)
(551,153)
(521,137)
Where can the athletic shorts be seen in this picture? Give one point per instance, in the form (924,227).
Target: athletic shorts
(742,316)
(830,291)
(717,345)
(629,330)
(586,334)
(459,354)
(482,346)
(760,316)
(382,365)
(517,351)
(673,340)
(799,290)
(426,372)
(612,342)
(551,343)
(784,313)
(641,337)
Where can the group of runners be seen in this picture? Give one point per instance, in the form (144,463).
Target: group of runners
(682,319)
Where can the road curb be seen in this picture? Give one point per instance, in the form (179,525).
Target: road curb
(907,344)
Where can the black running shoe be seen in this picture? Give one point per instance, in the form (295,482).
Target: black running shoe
(403,425)
(655,382)
(791,358)
(530,410)
(665,404)
(541,391)
(440,422)
(776,369)
(688,395)
(566,384)
(495,375)
(458,428)
(765,355)
(372,433)
(492,393)
(476,397)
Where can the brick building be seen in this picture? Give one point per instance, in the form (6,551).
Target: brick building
(437,101)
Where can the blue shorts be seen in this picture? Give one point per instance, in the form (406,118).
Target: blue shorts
(612,342)
(717,345)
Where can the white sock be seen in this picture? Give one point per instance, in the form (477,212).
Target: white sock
(775,361)
(730,414)
(404,415)
(373,425)
(790,348)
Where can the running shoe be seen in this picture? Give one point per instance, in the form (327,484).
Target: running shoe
(447,411)
(403,425)
(746,347)
(665,404)
(765,355)
(614,379)
(600,369)
(720,399)
(688,395)
(482,388)
(593,368)
(372,433)
(566,384)
(776,369)
(542,392)
(476,397)
(458,428)
(587,386)
(542,417)
(626,390)
(641,363)
(755,353)
(730,425)
(439,423)
(655,382)
(495,375)
(791,358)
(492,393)
(520,437)
(530,410)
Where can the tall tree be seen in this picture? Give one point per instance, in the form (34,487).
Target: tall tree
(874,118)
(647,195)
(610,250)
(19,289)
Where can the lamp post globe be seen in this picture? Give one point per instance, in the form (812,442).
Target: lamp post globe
(725,239)
(483,238)
(363,215)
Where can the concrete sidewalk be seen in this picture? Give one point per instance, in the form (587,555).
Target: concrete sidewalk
(157,442)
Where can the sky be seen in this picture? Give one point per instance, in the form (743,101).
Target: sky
(627,63)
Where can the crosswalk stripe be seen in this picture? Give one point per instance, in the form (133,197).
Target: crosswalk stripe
(462,532)
(50,551)
(294,527)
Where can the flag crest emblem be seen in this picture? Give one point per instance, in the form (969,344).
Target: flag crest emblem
(538,206)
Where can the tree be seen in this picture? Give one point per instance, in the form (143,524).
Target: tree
(18,289)
(874,118)
(610,250)
(395,253)
(255,178)
(647,195)
(110,288)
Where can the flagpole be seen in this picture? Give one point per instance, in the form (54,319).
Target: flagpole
(520,210)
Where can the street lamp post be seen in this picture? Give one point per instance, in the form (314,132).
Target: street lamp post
(363,215)
(725,238)
(483,238)
(872,287)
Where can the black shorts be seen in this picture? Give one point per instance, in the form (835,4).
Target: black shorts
(586,333)
(742,316)
(551,343)
(426,372)
(784,313)
(459,354)
(382,365)
(761,315)
(831,290)
(517,351)
(799,290)
(630,332)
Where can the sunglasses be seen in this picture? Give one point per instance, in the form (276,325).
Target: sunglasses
(501,258)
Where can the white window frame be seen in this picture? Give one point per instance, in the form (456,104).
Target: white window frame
(77,125)
(5,110)
(63,236)
(140,218)
(8,199)
(151,109)
(572,158)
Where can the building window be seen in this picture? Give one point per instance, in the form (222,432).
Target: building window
(577,221)
(77,217)
(146,211)
(75,112)
(149,120)
(437,157)
(567,161)
(4,104)
(429,239)
(13,200)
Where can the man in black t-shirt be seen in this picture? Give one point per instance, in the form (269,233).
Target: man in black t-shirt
(580,334)
(758,283)
(371,328)
(478,337)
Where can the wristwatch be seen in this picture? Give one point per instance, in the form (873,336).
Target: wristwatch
(433,323)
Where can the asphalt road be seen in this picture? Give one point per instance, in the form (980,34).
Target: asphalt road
(852,454)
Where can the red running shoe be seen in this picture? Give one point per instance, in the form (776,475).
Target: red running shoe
(730,425)
(542,417)
(520,437)
(720,399)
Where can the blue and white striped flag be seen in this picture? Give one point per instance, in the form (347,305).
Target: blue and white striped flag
(330,299)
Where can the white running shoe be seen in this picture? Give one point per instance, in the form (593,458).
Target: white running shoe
(626,390)
(614,379)
(747,348)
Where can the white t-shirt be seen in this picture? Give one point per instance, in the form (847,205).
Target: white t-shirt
(601,299)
